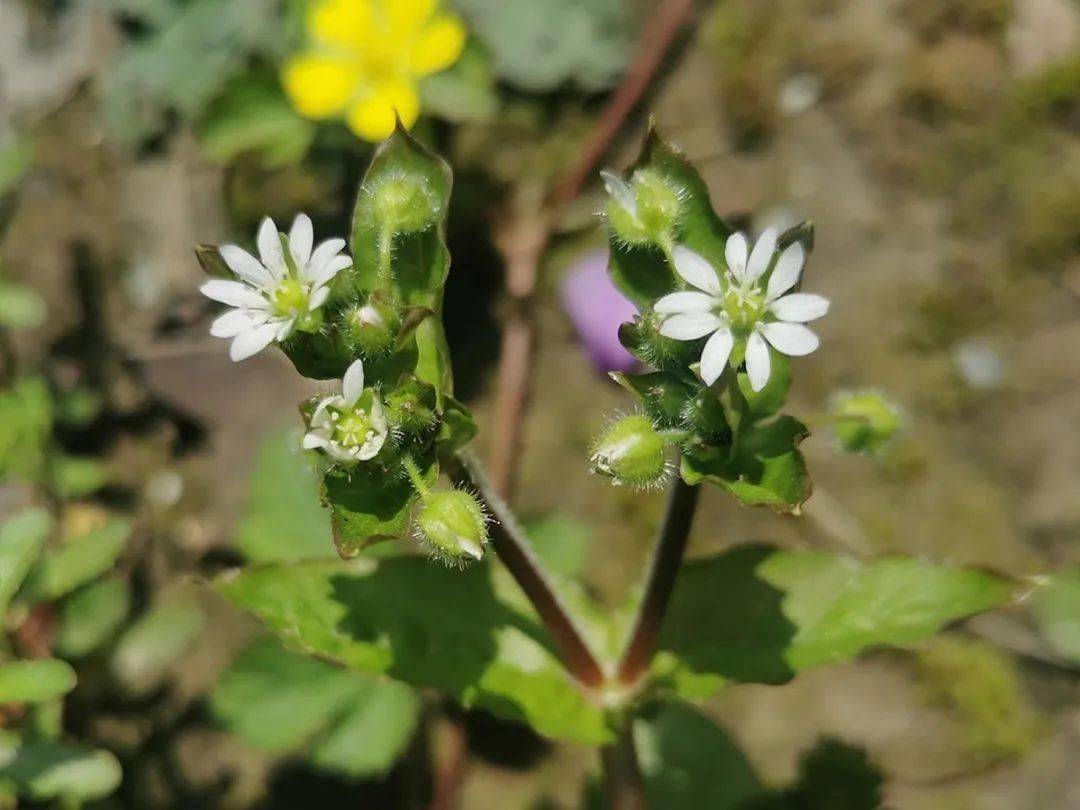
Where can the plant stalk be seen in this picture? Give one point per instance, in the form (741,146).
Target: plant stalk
(663,570)
(514,550)
(623,782)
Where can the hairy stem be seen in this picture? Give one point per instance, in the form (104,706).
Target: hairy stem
(664,568)
(514,550)
(623,782)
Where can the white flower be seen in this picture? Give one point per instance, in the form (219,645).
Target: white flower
(742,306)
(276,291)
(350,426)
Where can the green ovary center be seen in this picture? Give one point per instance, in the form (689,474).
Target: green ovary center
(353,428)
(743,308)
(290,298)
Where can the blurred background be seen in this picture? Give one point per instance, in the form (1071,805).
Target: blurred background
(934,143)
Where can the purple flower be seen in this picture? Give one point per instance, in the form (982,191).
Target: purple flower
(597,310)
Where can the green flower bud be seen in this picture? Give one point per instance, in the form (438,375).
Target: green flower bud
(405,203)
(646,211)
(410,409)
(631,452)
(453,526)
(642,339)
(371,329)
(864,421)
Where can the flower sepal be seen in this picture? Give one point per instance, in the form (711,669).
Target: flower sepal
(631,452)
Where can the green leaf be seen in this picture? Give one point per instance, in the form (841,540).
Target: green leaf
(283,519)
(374,733)
(663,394)
(43,770)
(20,307)
(561,542)
(253,115)
(77,477)
(35,681)
(760,615)
(63,569)
(26,419)
(91,616)
(766,470)
(151,645)
(420,260)
(540,45)
(1056,607)
(458,427)
(367,505)
(16,159)
(689,762)
(21,540)
(426,625)
(643,275)
(465,92)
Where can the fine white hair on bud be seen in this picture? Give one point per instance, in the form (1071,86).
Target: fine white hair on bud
(452,526)
(404,202)
(647,209)
(631,452)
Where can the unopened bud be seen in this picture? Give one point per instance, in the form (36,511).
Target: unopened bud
(453,526)
(405,203)
(410,409)
(631,452)
(864,421)
(645,211)
(370,329)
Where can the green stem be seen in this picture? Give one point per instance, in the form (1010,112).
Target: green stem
(663,570)
(415,476)
(623,782)
(513,548)
(386,250)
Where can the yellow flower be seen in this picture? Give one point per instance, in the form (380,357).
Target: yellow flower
(366,59)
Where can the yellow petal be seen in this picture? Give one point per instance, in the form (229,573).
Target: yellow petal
(348,23)
(319,86)
(439,45)
(407,16)
(373,118)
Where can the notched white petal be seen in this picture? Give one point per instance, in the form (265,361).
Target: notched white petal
(800,307)
(684,302)
(352,384)
(787,271)
(758,362)
(715,355)
(246,266)
(252,341)
(695,270)
(690,325)
(761,255)
(233,293)
(301,238)
(269,243)
(735,253)
(313,441)
(231,324)
(792,339)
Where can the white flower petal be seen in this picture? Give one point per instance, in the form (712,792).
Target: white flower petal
(620,190)
(269,243)
(252,341)
(246,266)
(233,293)
(800,307)
(690,325)
(735,253)
(232,323)
(761,255)
(314,440)
(786,273)
(330,269)
(792,339)
(320,256)
(695,270)
(285,328)
(318,298)
(715,355)
(301,238)
(352,384)
(684,302)
(758,363)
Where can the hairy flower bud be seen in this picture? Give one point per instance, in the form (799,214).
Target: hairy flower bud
(631,452)
(864,421)
(405,203)
(453,526)
(410,409)
(645,211)
(370,329)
